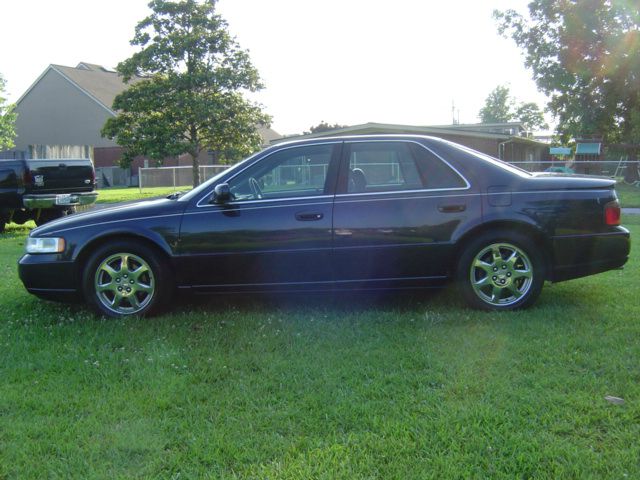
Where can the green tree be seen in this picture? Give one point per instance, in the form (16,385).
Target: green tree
(187,97)
(584,55)
(324,127)
(531,117)
(501,107)
(7,120)
(498,106)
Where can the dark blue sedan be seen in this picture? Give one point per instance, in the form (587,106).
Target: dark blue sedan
(366,213)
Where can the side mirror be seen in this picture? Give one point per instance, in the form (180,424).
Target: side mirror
(221,193)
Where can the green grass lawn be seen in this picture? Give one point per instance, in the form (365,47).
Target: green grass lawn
(629,195)
(113,195)
(322,387)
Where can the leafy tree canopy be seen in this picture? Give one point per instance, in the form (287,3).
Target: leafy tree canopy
(7,120)
(584,55)
(498,106)
(190,97)
(501,107)
(324,127)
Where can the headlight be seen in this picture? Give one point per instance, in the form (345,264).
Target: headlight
(45,245)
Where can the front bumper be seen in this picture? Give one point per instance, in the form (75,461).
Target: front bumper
(46,276)
(59,200)
(581,255)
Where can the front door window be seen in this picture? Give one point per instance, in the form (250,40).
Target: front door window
(287,173)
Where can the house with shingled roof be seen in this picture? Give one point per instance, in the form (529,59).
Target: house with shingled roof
(507,141)
(69,106)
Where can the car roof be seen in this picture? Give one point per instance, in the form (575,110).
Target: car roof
(346,138)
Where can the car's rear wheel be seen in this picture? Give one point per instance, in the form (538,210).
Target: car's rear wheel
(127,278)
(501,271)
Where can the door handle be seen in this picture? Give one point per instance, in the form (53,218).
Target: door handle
(452,208)
(309,217)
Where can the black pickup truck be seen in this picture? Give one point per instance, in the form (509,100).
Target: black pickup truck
(43,190)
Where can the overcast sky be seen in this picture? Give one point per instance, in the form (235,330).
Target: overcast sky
(342,61)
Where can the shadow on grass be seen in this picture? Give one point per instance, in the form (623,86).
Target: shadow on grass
(335,302)
(421,307)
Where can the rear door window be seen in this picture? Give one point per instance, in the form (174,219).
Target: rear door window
(397,166)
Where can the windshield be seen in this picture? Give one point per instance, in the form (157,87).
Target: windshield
(203,187)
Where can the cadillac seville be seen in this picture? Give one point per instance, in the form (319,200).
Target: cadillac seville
(367,213)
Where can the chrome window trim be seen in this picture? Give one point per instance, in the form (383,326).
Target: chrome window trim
(399,140)
(209,193)
(236,205)
(420,197)
(452,195)
(397,192)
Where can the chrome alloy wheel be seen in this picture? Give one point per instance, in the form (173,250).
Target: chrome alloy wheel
(124,283)
(501,274)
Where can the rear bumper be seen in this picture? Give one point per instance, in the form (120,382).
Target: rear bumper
(46,276)
(581,255)
(59,200)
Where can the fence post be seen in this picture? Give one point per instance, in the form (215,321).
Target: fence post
(174,178)
(140,179)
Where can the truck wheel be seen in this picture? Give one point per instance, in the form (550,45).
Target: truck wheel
(126,278)
(501,271)
(49,214)
(4,219)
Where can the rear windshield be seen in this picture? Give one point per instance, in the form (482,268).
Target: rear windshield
(487,158)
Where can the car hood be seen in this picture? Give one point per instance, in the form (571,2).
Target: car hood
(122,212)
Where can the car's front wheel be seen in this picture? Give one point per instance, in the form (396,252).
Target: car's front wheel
(127,278)
(501,271)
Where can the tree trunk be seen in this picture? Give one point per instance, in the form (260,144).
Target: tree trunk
(196,169)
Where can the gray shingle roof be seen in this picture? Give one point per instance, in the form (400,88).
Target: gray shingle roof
(100,83)
(268,135)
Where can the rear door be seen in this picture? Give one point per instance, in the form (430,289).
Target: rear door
(396,211)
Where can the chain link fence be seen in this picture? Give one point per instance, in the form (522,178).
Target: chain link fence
(622,168)
(175,176)
(179,177)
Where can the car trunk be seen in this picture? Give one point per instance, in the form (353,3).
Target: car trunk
(571,181)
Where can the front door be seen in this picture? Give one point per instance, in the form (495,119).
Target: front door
(275,232)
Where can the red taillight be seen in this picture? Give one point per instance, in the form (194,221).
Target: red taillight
(27,178)
(612,213)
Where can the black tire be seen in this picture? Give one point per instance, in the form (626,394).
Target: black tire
(50,214)
(4,219)
(143,286)
(500,270)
